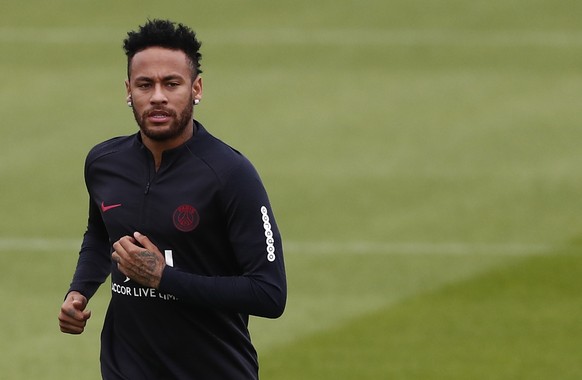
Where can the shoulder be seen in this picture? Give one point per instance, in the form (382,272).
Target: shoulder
(220,157)
(108,147)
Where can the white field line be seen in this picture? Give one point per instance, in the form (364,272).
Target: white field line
(456,248)
(326,37)
(15,244)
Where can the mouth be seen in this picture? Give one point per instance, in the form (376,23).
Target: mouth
(159,116)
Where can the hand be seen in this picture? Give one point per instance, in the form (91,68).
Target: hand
(73,316)
(139,259)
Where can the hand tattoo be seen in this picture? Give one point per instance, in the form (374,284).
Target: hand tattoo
(149,262)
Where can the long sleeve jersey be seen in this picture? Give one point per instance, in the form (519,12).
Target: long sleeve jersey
(207,211)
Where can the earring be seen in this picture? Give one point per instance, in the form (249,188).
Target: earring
(129,104)
(196,102)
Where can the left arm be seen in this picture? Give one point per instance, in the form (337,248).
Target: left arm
(259,294)
(260,290)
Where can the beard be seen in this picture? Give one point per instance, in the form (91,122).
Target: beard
(176,128)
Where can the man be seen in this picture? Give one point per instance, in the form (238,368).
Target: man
(182,223)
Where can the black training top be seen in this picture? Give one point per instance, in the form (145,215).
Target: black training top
(207,211)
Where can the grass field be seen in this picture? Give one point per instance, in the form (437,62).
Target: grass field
(422,157)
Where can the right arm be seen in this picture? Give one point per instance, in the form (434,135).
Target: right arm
(93,267)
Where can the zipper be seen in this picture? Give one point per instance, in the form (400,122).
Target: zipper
(150,177)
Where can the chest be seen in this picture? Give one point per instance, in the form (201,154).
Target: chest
(176,202)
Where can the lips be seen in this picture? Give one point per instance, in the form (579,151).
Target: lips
(159,116)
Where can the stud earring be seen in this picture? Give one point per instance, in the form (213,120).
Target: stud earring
(129,104)
(196,102)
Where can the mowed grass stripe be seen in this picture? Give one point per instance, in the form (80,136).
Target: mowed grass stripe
(296,247)
(326,291)
(519,321)
(313,36)
(374,247)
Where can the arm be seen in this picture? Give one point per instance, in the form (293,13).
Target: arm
(260,289)
(139,259)
(247,294)
(94,263)
(93,267)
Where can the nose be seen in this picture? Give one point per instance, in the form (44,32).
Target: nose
(158,95)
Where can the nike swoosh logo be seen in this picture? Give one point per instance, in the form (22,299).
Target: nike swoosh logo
(107,208)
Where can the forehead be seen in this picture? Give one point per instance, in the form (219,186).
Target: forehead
(155,61)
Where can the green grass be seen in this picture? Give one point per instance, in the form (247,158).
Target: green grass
(518,322)
(422,158)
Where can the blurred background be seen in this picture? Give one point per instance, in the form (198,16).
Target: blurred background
(422,158)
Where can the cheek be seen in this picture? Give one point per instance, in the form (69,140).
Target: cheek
(183,102)
(139,101)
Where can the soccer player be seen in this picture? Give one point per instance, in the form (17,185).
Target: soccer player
(182,223)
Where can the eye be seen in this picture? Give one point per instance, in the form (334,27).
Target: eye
(144,85)
(172,84)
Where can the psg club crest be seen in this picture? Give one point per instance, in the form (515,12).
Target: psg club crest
(186,218)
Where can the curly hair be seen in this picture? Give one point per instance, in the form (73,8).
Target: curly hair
(166,34)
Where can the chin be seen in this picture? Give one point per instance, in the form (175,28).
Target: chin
(162,133)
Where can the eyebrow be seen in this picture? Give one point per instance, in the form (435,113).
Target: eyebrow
(164,79)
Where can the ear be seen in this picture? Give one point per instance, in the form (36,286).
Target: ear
(127,88)
(197,88)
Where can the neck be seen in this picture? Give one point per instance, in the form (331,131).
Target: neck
(158,147)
